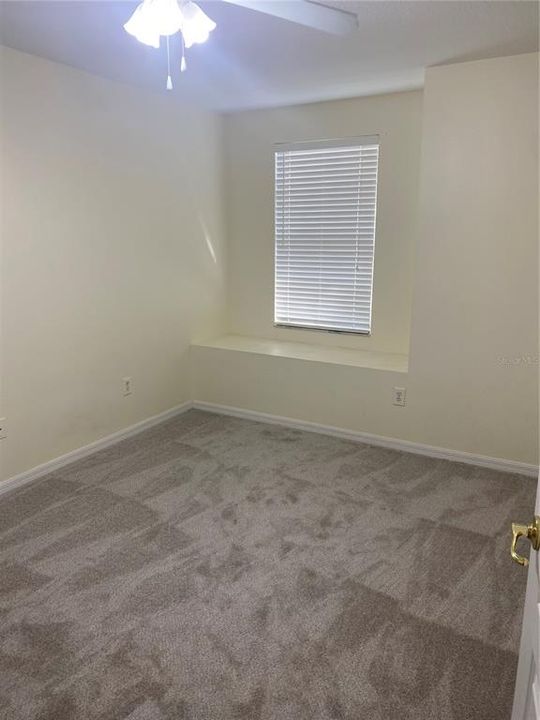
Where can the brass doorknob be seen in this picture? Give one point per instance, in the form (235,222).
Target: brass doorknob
(531,532)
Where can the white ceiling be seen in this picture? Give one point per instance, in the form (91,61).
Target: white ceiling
(254,60)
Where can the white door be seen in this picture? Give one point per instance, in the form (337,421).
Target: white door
(527,695)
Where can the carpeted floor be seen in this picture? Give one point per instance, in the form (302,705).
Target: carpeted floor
(213,568)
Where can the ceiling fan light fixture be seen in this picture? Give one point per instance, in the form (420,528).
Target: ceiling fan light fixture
(197,26)
(153,18)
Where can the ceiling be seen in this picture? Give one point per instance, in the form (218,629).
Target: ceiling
(255,60)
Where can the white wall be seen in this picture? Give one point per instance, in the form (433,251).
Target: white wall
(249,180)
(112,255)
(472,381)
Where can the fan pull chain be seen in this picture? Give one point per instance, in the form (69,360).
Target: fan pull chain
(183,64)
(169,80)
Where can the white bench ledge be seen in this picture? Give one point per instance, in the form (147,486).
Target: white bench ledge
(315,353)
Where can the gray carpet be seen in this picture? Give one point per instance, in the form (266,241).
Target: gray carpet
(213,568)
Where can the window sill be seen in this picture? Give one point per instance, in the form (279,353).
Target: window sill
(314,353)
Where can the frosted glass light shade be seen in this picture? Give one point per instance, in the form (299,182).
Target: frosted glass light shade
(141,26)
(197,25)
(153,18)
(167,17)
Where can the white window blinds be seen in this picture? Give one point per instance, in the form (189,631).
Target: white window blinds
(325,212)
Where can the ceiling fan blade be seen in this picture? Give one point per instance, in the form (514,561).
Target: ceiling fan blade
(305,12)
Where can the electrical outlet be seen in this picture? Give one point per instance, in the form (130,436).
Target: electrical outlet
(127,384)
(3,428)
(400,396)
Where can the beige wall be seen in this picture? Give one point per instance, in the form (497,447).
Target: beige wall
(249,176)
(112,261)
(473,363)
(111,254)
(472,381)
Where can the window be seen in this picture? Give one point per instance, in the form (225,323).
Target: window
(325,211)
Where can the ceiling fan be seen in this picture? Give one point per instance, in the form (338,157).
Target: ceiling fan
(305,12)
(155,18)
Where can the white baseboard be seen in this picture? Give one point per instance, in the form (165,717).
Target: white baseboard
(35,473)
(511,466)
